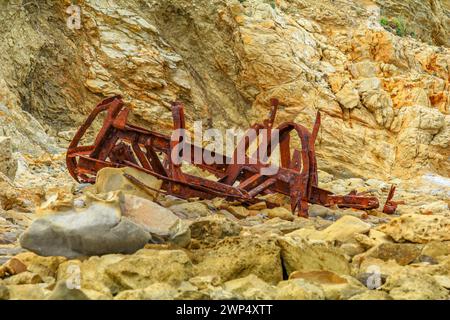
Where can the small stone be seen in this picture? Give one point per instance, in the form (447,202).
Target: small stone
(12,267)
(190,210)
(343,229)
(63,292)
(23,278)
(278,212)
(156,220)
(316,210)
(239,212)
(43,266)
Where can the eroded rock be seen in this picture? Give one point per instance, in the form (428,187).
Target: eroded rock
(418,228)
(238,257)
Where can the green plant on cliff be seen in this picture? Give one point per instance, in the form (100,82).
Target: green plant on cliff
(396,25)
(400,27)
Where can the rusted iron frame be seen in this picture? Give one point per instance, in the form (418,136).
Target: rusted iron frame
(123,145)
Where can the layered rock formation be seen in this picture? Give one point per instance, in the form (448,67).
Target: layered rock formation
(380,94)
(378,71)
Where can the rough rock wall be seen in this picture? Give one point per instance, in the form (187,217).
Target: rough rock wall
(384,98)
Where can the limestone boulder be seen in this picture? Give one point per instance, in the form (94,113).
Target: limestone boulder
(304,256)
(411,285)
(63,292)
(28,292)
(156,291)
(211,229)
(278,212)
(299,289)
(334,286)
(418,228)
(149,266)
(371,295)
(4,292)
(90,274)
(238,257)
(190,210)
(42,266)
(343,230)
(279,226)
(115,179)
(23,278)
(436,249)
(251,288)
(402,253)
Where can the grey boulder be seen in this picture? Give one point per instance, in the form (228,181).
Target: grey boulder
(97,230)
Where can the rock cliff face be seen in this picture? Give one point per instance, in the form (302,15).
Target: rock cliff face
(377,70)
(384,98)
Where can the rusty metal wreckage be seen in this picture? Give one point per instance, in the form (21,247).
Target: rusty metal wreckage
(119,144)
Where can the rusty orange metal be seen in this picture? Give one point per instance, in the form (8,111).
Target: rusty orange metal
(119,144)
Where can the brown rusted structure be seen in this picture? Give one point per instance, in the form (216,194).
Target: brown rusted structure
(120,144)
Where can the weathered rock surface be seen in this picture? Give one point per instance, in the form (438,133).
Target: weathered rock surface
(300,255)
(376,70)
(156,291)
(366,80)
(418,228)
(156,220)
(4,293)
(402,253)
(238,257)
(250,288)
(299,289)
(210,230)
(112,179)
(414,286)
(150,266)
(334,286)
(8,165)
(97,230)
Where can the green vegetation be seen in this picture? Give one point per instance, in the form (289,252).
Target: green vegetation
(384,21)
(396,25)
(400,28)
